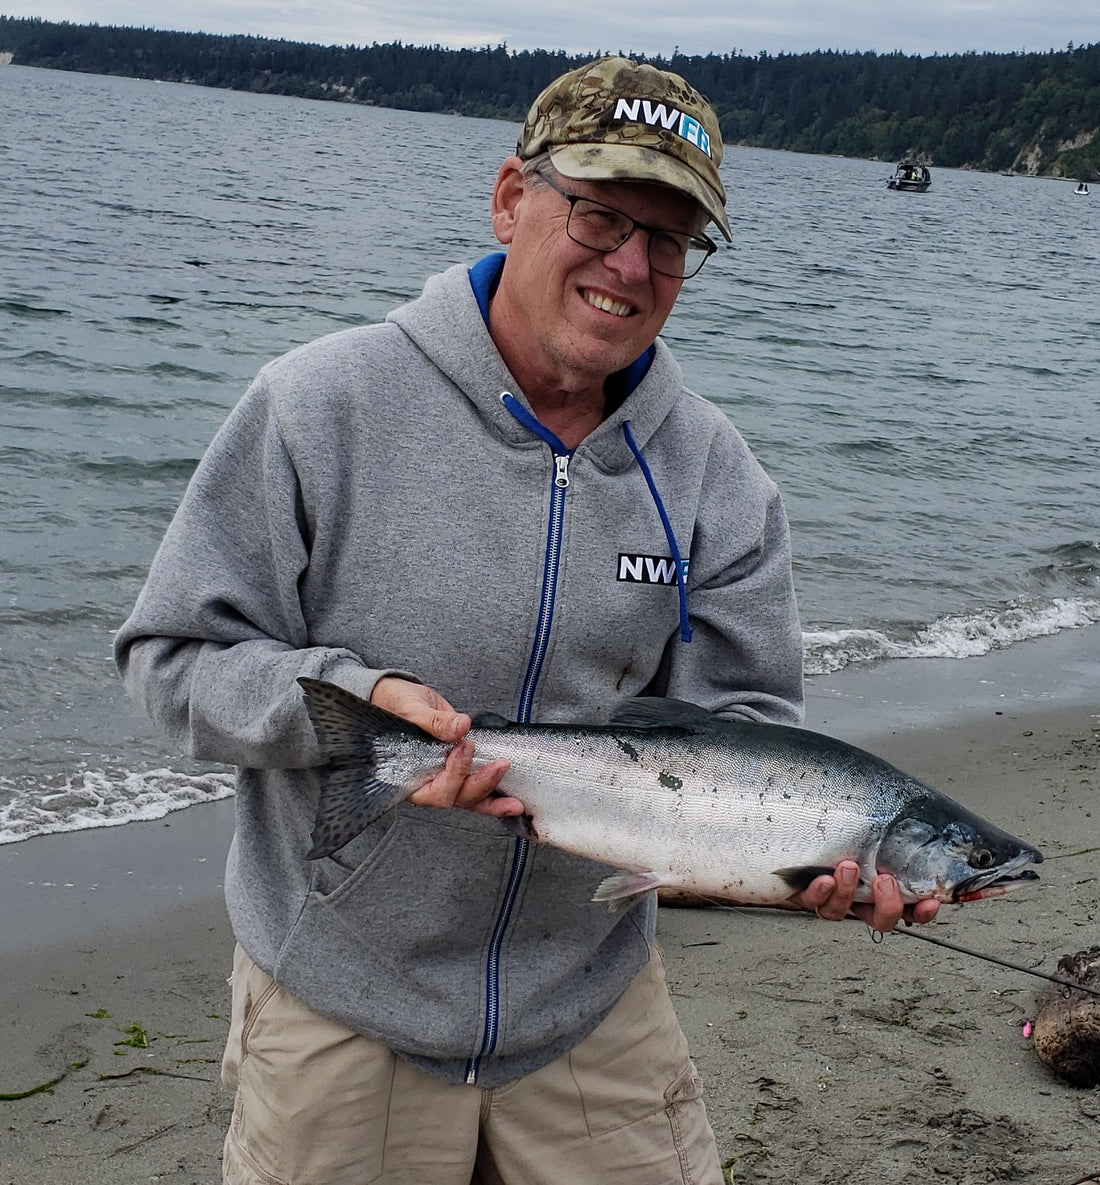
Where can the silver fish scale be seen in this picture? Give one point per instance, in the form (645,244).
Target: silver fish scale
(720,819)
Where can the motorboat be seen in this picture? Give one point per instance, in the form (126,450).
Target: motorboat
(1082,189)
(911,177)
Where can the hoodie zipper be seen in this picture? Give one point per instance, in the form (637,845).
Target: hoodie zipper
(521,849)
(549,585)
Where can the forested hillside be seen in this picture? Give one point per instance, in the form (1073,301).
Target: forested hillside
(1036,113)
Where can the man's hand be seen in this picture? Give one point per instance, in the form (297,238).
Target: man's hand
(833,898)
(458,783)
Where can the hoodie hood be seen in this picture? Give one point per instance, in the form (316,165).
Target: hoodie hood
(439,324)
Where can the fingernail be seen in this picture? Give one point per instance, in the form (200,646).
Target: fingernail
(848,877)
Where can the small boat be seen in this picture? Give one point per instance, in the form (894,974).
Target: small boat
(1082,189)
(909,176)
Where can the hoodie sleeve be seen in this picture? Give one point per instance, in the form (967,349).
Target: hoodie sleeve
(218,635)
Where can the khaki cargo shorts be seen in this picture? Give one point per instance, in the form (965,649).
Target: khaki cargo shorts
(317,1104)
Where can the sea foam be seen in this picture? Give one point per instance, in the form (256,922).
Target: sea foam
(95,798)
(955,636)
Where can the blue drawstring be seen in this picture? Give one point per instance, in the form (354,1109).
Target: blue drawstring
(535,425)
(681,583)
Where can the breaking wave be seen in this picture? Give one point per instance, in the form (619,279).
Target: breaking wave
(98,798)
(956,636)
(94,798)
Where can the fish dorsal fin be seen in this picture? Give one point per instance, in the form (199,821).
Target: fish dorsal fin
(491,720)
(651,711)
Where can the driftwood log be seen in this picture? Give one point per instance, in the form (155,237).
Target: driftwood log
(1067,1029)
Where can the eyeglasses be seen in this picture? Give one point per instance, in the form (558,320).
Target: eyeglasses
(603,228)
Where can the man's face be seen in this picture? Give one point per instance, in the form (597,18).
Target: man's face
(570,308)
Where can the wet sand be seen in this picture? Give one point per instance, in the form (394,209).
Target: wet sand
(826,1056)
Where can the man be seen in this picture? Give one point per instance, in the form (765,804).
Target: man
(448,509)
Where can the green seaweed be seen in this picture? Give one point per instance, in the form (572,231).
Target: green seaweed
(136,1037)
(42,1087)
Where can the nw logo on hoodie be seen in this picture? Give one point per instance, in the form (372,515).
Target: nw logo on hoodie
(649,569)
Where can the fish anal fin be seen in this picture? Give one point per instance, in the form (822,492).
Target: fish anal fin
(803,876)
(521,826)
(621,890)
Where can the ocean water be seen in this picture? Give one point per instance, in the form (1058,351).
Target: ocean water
(920,373)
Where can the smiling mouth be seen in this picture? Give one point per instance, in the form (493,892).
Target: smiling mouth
(606,304)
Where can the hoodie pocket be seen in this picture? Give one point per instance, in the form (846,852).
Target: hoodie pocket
(395,947)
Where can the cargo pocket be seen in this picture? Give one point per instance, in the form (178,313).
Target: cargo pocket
(636,1063)
(691,1132)
(312,1096)
(251,989)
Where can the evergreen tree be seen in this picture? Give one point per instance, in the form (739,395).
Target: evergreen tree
(983,111)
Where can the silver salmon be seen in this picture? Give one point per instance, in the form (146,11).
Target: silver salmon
(676,797)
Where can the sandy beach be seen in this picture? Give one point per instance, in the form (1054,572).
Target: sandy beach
(827,1056)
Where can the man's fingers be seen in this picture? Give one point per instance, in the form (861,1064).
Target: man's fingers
(445,724)
(887,906)
(500,807)
(481,783)
(457,784)
(422,706)
(833,898)
(837,903)
(925,911)
(443,790)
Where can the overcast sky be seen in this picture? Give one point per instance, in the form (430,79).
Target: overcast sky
(921,27)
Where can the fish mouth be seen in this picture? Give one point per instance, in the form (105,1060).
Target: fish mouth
(977,888)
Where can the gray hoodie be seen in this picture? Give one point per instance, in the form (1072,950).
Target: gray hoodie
(373,505)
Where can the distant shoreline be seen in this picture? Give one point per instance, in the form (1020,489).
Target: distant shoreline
(1018,112)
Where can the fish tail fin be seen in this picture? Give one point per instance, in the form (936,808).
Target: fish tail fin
(360,782)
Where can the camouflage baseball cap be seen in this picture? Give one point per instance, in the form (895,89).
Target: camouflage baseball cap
(619,120)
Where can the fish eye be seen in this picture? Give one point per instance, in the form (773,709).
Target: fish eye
(981,858)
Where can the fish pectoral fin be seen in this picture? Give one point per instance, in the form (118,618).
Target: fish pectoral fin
(803,876)
(622,889)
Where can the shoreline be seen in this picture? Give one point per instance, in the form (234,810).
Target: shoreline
(864,702)
(801,1030)
(62,886)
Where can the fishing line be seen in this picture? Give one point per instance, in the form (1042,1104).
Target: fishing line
(1066,983)
(877,936)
